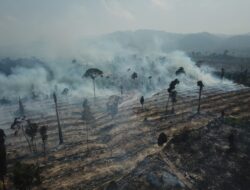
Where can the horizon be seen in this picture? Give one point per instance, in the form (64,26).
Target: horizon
(68,21)
(55,28)
(60,50)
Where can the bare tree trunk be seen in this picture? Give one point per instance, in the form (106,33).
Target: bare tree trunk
(94,86)
(44,149)
(35,144)
(167,102)
(87,130)
(172,107)
(30,147)
(121,90)
(58,121)
(199,104)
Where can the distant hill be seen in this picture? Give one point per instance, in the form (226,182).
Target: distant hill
(137,41)
(147,40)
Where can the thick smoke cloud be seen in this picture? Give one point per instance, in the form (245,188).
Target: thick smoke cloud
(155,68)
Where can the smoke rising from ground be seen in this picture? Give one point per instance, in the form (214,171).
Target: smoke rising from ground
(155,69)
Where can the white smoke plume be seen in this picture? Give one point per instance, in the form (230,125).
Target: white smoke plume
(155,68)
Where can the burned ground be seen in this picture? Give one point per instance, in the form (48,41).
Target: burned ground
(124,149)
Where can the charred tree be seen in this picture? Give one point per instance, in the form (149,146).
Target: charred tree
(162,139)
(200,85)
(112,105)
(88,117)
(93,73)
(3,163)
(58,120)
(21,123)
(222,74)
(173,96)
(171,92)
(121,88)
(21,108)
(43,133)
(150,80)
(142,101)
(31,131)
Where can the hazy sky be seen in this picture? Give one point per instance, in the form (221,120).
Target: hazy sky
(26,21)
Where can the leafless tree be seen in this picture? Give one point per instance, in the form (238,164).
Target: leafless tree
(121,88)
(20,123)
(200,85)
(142,101)
(88,117)
(31,131)
(222,73)
(58,120)
(43,133)
(21,108)
(3,162)
(112,105)
(173,96)
(172,93)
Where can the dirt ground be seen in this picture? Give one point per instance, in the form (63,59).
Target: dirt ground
(116,146)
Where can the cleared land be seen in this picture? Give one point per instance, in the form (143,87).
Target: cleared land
(117,146)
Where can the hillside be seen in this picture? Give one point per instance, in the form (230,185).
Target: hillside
(204,158)
(125,148)
(146,40)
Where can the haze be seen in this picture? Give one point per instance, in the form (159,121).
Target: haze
(61,23)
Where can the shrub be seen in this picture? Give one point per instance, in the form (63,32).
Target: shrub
(25,176)
(162,139)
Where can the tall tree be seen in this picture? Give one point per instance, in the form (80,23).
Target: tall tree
(150,80)
(31,131)
(21,108)
(222,73)
(121,88)
(3,163)
(134,76)
(58,120)
(173,96)
(93,73)
(21,123)
(88,117)
(142,101)
(171,92)
(200,85)
(112,105)
(43,133)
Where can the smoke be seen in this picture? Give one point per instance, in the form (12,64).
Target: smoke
(155,68)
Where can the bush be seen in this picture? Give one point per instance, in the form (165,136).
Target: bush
(162,139)
(25,176)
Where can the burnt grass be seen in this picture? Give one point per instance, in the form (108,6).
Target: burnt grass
(216,156)
(202,150)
